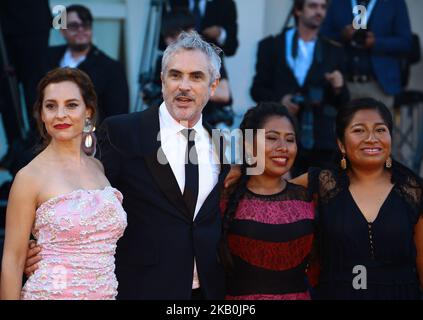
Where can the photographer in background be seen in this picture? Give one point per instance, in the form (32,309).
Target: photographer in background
(214,20)
(302,71)
(374,54)
(218,110)
(107,74)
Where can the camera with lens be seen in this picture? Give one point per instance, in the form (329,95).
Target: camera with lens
(359,38)
(311,97)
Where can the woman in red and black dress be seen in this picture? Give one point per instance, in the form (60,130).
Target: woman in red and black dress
(268,222)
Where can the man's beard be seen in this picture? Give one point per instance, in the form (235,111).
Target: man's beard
(79,47)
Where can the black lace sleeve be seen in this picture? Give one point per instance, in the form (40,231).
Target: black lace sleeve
(325,184)
(410,187)
(412,191)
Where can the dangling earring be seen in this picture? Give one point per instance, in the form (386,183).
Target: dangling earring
(343,162)
(88,138)
(388,163)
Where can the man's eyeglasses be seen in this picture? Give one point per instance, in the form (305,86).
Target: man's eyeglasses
(74,26)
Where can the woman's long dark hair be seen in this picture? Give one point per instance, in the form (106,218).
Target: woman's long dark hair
(400,173)
(254,119)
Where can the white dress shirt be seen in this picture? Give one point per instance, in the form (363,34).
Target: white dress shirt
(69,61)
(203,4)
(304,60)
(174,145)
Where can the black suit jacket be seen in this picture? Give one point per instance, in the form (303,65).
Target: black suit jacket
(221,13)
(107,75)
(155,257)
(274,79)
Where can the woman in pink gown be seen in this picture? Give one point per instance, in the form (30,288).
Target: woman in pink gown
(65,200)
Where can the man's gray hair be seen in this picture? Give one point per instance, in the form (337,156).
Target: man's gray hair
(193,41)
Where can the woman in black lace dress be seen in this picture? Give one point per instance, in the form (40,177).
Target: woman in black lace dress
(370,224)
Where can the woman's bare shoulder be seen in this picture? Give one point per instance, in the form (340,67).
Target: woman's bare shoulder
(26,184)
(36,169)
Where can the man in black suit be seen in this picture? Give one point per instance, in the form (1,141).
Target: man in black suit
(216,21)
(108,75)
(169,249)
(302,71)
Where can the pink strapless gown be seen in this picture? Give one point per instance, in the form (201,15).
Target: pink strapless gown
(77,233)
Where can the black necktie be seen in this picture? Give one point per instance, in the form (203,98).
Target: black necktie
(191,172)
(197,15)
